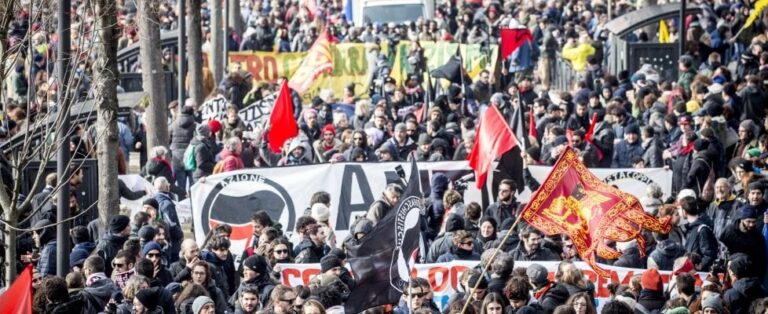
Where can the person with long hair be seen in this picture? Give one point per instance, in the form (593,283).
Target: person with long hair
(187,296)
(313,307)
(582,303)
(279,252)
(494,303)
(202,275)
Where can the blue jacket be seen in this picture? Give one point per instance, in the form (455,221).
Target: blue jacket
(625,152)
(522,59)
(47,264)
(126,138)
(168,213)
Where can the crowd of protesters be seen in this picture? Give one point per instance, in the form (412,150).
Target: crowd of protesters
(708,127)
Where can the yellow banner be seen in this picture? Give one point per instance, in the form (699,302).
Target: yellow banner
(350,64)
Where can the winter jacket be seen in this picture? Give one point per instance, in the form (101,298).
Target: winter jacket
(697,175)
(665,253)
(578,55)
(218,297)
(205,156)
(157,167)
(625,152)
(439,184)
(227,128)
(651,301)
(378,210)
(541,254)
(554,296)
(47,263)
(723,213)
(754,101)
(170,217)
(231,160)
(226,268)
(108,247)
(308,252)
(700,239)
(630,258)
(751,244)
(98,294)
(457,254)
(181,133)
(745,290)
(652,151)
(603,140)
(501,212)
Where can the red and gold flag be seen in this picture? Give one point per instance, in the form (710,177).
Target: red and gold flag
(319,59)
(574,202)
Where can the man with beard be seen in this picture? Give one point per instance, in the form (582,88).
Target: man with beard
(586,151)
(248,303)
(482,88)
(401,142)
(742,236)
(579,120)
(755,198)
(506,206)
(255,277)
(723,209)
(311,127)
(530,248)
(313,248)
(381,207)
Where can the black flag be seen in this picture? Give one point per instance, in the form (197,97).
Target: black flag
(382,261)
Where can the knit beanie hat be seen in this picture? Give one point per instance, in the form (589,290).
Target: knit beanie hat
(320,212)
(256,263)
(713,302)
(151,202)
(149,297)
(328,262)
(118,223)
(150,247)
(147,234)
(199,302)
(651,280)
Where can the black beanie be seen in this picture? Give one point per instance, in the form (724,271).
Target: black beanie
(151,202)
(147,234)
(118,223)
(474,279)
(338,253)
(149,297)
(80,234)
(328,262)
(256,263)
(700,145)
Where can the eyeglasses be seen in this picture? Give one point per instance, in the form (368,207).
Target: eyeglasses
(418,295)
(281,251)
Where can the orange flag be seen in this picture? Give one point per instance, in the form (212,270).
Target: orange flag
(18,298)
(574,202)
(319,59)
(494,138)
(283,126)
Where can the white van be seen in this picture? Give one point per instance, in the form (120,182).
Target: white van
(386,11)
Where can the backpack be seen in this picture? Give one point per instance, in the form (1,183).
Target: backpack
(190,162)
(219,167)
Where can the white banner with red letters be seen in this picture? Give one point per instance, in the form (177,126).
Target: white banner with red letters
(444,277)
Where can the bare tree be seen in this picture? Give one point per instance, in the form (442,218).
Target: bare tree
(106,101)
(152,72)
(217,41)
(195,52)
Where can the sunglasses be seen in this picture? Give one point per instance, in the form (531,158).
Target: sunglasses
(118,265)
(288,300)
(418,295)
(281,251)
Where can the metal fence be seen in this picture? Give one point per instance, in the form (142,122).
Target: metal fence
(562,75)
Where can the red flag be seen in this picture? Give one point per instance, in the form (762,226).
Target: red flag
(18,298)
(591,133)
(284,127)
(319,59)
(573,201)
(532,126)
(513,38)
(311,6)
(494,138)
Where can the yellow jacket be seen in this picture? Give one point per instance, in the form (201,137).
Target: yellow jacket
(578,55)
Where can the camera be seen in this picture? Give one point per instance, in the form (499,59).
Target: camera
(718,266)
(400,171)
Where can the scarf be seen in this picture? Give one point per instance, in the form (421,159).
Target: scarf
(93,278)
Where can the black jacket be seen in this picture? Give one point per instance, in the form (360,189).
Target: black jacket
(739,298)
(556,295)
(652,153)
(108,247)
(700,239)
(665,253)
(205,156)
(541,254)
(181,133)
(309,252)
(650,300)
(263,283)
(698,173)
(751,244)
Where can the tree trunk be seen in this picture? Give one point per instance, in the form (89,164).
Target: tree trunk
(217,41)
(235,18)
(106,100)
(195,52)
(152,73)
